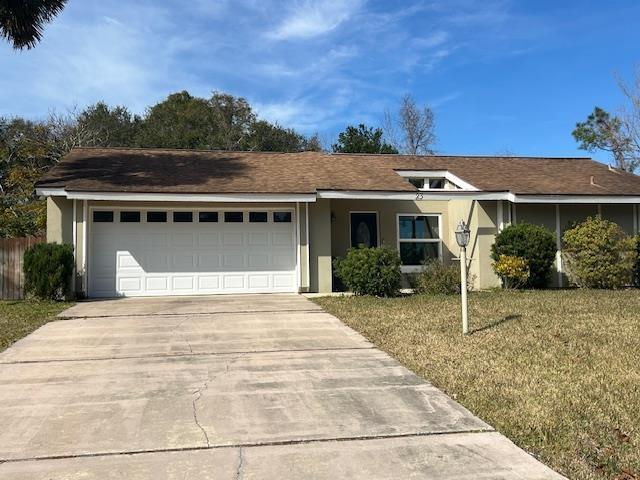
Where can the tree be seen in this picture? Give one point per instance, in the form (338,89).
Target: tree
(180,121)
(362,139)
(413,130)
(601,131)
(22,22)
(108,127)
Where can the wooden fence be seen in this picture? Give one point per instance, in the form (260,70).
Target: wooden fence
(11,276)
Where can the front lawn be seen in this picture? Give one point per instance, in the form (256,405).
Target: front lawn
(19,318)
(558,372)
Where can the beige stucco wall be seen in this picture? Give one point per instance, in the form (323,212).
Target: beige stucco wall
(387,221)
(320,268)
(59,220)
(482,218)
(329,231)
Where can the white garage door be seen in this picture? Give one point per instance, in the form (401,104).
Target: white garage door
(189,252)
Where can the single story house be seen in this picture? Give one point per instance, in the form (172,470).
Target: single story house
(149,222)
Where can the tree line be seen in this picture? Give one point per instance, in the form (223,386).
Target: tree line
(28,148)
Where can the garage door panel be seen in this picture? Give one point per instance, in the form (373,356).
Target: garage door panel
(209,282)
(157,240)
(233,282)
(156,262)
(183,282)
(282,239)
(183,239)
(208,239)
(138,259)
(283,280)
(208,260)
(258,260)
(260,239)
(129,284)
(233,239)
(234,261)
(258,281)
(182,262)
(157,284)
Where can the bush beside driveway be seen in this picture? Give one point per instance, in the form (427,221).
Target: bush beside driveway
(19,318)
(556,371)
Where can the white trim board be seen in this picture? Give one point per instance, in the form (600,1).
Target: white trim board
(422,195)
(177,197)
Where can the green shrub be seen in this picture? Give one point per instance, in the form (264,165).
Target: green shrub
(370,271)
(598,254)
(513,271)
(535,244)
(437,278)
(47,270)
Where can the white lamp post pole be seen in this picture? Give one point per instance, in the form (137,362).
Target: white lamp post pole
(463,275)
(463,235)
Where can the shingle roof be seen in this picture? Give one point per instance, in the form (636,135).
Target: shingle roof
(196,171)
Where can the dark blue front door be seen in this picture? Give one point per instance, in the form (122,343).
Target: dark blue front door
(364,229)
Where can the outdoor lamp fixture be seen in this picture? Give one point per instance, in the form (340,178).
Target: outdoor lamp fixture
(463,235)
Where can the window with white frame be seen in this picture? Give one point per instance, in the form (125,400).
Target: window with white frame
(435,183)
(418,239)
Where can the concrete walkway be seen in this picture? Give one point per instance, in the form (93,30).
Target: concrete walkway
(237,387)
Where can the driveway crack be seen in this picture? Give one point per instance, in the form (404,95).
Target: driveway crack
(239,470)
(197,395)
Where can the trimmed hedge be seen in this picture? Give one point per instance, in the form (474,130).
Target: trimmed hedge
(47,271)
(533,243)
(598,254)
(370,271)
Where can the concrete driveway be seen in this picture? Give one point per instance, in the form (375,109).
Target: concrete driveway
(230,387)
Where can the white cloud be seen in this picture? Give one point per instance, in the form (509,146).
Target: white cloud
(431,41)
(309,19)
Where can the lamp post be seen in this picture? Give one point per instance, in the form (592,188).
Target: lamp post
(463,234)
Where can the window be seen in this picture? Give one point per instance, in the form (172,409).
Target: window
(208,217)
(182,217)
(428,183)
(156,217)
(103,217)
(417,182)
(436,183)
(257,217)
(129,217)
(233,217)
(418,239)
(282,217)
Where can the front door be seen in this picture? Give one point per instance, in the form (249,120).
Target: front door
(364,229)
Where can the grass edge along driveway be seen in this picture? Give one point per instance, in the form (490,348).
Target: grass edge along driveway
(556,371)
(18,318)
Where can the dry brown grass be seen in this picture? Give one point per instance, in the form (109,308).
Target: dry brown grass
(19,318)
(558,372)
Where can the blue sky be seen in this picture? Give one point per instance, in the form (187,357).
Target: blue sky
(501,75)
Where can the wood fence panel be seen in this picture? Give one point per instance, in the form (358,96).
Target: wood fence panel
(11,262)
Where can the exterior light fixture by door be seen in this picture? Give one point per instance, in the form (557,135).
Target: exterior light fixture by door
(463,235)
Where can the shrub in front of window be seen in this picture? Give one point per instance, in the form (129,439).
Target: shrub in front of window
(513,271)
(370,271)
(535,244)
(436,278)
(47,271)
(598,254)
